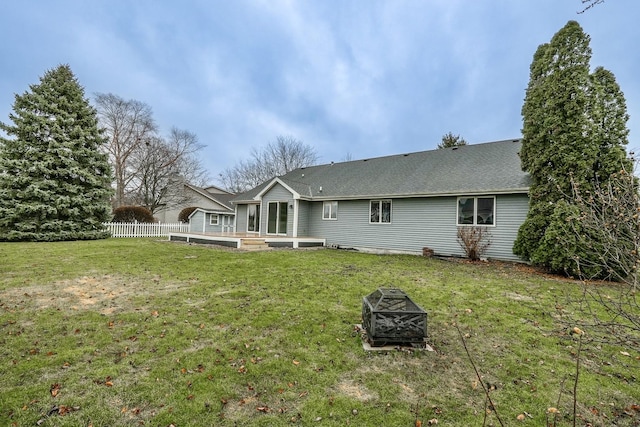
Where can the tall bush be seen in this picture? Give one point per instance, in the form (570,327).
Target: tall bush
(132,214)
(574,132)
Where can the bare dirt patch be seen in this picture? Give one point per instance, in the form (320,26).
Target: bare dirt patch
(356,391)
(105,294)
(517,297)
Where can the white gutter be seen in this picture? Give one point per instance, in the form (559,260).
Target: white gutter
(415,196)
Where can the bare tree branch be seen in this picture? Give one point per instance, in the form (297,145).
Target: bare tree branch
(474,241)
(605,227)
(127,125)
(279,157)
(163,166)
(589,4)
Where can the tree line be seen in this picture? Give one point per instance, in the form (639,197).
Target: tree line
(65,164)
(145,163)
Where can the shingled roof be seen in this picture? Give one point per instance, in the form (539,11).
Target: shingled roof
(221,197)
(489,168)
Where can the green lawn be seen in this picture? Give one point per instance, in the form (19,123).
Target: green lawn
(129,332)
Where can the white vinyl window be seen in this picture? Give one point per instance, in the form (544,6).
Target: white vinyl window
(476,211)
(380,212)
(213,219)
(330,210)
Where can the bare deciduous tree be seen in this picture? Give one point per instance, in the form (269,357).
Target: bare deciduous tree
(127,125)
(283,155)
(162,166)
(147,167)
(606,228)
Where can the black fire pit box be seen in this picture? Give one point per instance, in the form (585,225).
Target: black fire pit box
(389,316)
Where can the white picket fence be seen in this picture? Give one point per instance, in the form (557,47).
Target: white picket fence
(141,229)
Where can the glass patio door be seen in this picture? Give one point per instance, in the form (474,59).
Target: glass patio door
(277,218)
(253,218)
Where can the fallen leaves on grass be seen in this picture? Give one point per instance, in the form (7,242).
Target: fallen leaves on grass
(54,389)
(60,410)
(576,331)
(106,382)
(523,415)
(632,410)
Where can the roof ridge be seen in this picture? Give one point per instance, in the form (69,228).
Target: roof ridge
(470,169)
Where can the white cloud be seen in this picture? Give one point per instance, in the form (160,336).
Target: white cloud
(377,79)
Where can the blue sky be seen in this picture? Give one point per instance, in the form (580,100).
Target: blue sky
(361,78)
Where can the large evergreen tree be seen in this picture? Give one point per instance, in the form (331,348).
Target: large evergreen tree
(574,134)
(55,181)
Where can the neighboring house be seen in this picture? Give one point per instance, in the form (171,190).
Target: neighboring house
(214,214)
(399,203)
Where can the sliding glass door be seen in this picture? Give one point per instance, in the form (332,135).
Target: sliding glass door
(253,218)
(277,218)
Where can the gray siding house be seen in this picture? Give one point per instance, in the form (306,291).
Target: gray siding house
(210,199)
(211,221)
(399,203)
(215,213)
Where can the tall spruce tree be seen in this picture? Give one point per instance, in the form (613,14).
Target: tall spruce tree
(574,134)
(55,181)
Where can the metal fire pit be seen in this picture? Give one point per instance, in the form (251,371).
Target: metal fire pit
(389,316)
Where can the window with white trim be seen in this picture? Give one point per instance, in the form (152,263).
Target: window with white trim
(476,210)
(213,219)
(330,210)
(380,212)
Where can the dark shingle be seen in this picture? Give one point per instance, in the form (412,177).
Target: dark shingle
(471,169)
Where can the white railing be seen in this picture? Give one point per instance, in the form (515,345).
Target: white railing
(142,229)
